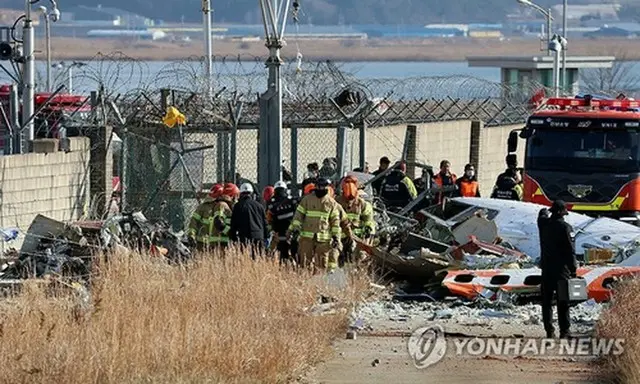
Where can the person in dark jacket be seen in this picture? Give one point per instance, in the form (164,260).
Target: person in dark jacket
(558,264)
(279,216)
(249,221)
(311,177)
(383,165)
(398,189)
(507,186)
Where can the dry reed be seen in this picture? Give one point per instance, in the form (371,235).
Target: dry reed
(207,321)
(621,321)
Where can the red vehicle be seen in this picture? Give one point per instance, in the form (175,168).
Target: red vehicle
(59,114)
(586,152)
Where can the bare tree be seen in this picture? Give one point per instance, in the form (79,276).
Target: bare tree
(622,77)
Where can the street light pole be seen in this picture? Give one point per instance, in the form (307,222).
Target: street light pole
(546,13)
(47,28)
(548,29)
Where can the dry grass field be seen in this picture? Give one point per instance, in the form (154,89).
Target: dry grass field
(621,321)
(211,320)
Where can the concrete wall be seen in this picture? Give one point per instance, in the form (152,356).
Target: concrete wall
(52,184)
(493,150)
(460,142)
(449,140)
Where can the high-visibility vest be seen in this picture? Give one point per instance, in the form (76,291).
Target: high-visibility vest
(438,179)
(468,188)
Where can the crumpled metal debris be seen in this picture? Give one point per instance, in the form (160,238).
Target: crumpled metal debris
(134,231)
(53,248)
(50,248)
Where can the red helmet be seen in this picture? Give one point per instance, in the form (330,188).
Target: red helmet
(216,191)
(267,193)
(231,190)
(308,188)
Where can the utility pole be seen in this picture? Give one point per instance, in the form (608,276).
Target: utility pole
(564,49)
(270,134)
(556,46)
(28,77)
(548,29)
(206,14)
(29,68)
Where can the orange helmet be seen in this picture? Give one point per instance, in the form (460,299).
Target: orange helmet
(216,191)
(231,190)
(267,193)
(308,188)
(350,187)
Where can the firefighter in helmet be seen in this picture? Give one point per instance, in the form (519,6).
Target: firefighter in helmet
(209,224)
(316,225)
(359,213)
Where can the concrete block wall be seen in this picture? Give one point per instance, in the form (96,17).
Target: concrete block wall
(449,140)
(460,142)
(52,184)
(492,153)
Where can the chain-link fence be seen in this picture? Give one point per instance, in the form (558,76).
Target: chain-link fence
(166,171)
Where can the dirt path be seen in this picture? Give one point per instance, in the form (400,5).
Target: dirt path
(353,359)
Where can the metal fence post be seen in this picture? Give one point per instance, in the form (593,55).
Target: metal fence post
(220,152)
(343,151)
(123,169)
(14,101)
(294,158)
(270,138)
(363,144)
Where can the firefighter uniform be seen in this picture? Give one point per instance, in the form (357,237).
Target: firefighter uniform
(279,217)
(210,223)
(507,189)
(359,213)
(317,221)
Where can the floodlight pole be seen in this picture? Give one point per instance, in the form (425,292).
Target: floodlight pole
(274,19)
(206,14)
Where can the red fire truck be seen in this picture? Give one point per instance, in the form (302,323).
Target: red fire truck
(59,114)
(584,151)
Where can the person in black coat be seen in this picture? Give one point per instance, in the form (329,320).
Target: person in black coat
(280,214)
(249,221)
(558,264)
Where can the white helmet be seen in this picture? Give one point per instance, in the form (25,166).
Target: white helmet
(280,184)
(246,188)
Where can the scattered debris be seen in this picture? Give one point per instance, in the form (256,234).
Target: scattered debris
(53,248)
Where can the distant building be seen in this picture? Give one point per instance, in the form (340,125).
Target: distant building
(127,33)
(628,30)
(447,30)
(106,16)
(590,11)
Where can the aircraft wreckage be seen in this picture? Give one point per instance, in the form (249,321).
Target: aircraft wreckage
(488,247)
